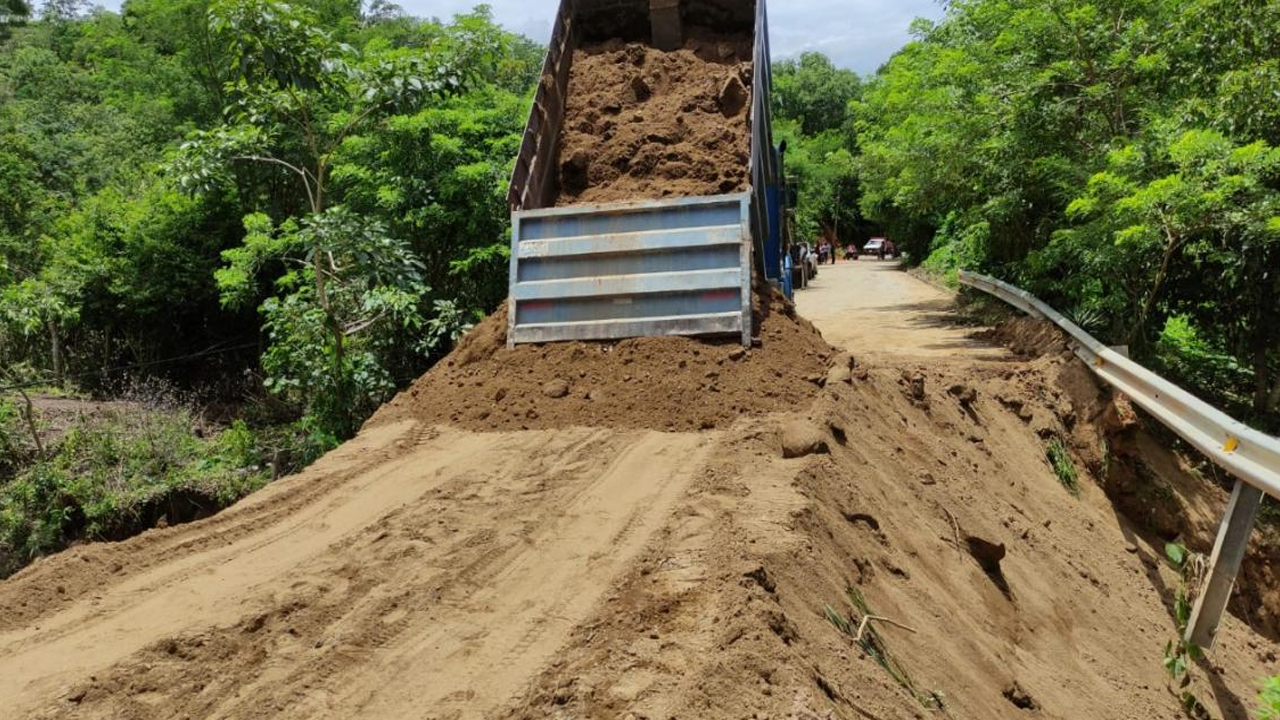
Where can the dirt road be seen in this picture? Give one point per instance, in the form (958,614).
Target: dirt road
(874,309)
(412,568)
(611,571)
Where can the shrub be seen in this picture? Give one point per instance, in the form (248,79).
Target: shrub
(1269,699)
(115,474)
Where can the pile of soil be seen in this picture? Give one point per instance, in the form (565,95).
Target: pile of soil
(643,124)
(659,383)
(580,572)
(1167,489)
(930,500)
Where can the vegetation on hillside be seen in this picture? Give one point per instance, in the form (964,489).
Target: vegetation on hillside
(288,210)
(1121,160)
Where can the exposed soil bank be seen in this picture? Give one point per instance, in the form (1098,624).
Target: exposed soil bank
(643,124)
(1170,492)
(673,383)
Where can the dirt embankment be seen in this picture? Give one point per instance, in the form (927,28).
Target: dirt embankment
(925,492)
(595,568)
(1170,492)
(667,383)
(643,124)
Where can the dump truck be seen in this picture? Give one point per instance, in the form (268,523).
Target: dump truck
(675,264)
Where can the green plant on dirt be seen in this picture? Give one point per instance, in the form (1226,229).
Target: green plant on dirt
(1180,653)
(10,442)
(1269,699)
(858,625)
(115,474)
(1063,466)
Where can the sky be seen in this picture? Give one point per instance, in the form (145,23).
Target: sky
(857,34)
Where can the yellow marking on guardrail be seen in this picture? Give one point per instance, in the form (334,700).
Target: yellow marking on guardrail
(1099,362)
(1231,445)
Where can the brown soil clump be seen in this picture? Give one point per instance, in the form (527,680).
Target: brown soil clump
(659,383)
(643,124)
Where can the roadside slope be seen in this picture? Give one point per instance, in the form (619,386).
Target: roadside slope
(594,571)
(934,458)
(468,556)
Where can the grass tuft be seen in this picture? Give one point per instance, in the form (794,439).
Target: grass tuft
(873,644)
(1063,466)
(1269,699)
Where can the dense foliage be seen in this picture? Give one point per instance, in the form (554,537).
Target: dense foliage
(813,115)
(288,210)
(1118,159)
(312,181)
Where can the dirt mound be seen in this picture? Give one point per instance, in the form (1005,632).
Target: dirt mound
(661,383)
(935,508)
(591,572)
(643,124)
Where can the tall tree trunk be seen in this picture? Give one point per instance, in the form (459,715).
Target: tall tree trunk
(1137,334)
(1261,373)
(1266,389)
(330,316)
(55,350)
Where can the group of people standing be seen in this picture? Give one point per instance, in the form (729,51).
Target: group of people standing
(827,252)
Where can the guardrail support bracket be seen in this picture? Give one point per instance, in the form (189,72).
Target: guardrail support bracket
(1224,564)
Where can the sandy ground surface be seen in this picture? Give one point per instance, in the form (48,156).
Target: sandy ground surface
(461,559)
(878,311)
(423,570)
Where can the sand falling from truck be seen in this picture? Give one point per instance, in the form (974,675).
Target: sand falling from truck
(643,124)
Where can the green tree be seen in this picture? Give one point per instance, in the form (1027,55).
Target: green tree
(12,12)
(1116,159)
(297,95)
(1209,214)
(813,104)
(814,92)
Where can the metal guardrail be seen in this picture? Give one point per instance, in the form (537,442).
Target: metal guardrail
(603,272)
(1250,455)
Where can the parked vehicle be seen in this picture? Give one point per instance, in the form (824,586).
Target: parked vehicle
(881,248)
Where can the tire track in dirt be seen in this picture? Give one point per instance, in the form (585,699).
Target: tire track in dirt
(525,605)
(207,586)
(463,553)
(50,585)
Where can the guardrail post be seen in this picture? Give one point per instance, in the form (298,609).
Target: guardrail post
(1224,564)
